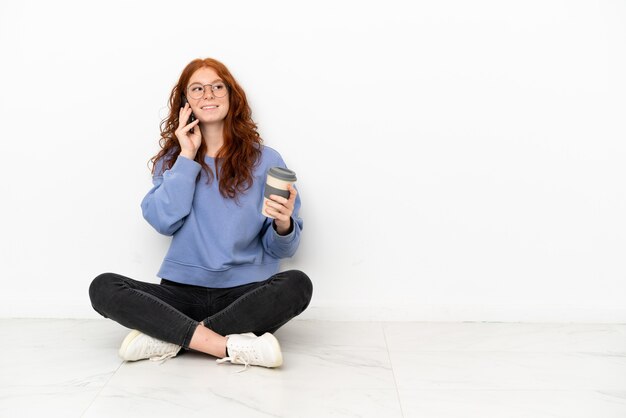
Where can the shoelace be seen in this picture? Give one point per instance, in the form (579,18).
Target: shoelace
(163,358)
(154,347)
(239,356)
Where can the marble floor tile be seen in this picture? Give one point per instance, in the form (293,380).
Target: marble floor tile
(58,366)
(336,335)
(261,402)
(512,404)
(63,333)
(496,370)
(336,369)
(70,368)
(324,382)
(511,337)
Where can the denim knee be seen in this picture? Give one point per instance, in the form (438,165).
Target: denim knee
(100,290)
(302,286)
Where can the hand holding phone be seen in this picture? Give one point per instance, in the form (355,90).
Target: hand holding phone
(188,137)
(192,117)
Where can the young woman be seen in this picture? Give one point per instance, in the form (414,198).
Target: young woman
(220,291)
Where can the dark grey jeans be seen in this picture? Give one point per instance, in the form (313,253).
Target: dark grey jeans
(171,311)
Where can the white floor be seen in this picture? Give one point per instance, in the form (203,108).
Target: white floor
(70,368)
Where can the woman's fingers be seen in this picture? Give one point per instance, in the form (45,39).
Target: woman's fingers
(276,214)
(283,209)
(280,207)
(183,115)
(191,125)
(279,202)
(183,110)
(287,202)
(279,199)
(183,127)
(275,205)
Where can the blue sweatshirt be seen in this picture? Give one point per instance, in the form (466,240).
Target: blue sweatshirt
(216,242)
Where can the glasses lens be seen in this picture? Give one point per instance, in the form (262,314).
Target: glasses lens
(196,91)
(219,89)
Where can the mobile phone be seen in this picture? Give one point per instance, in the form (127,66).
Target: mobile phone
(192,117)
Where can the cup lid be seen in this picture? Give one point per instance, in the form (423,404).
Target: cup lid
(281,173)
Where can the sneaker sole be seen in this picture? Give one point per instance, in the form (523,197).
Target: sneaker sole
(129,339)
(274,342)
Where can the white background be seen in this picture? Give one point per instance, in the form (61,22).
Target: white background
(456,160)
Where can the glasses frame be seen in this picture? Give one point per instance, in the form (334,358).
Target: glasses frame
(204,90)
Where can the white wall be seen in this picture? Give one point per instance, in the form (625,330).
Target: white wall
(456,160)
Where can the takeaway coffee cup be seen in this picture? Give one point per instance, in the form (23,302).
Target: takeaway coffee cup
(277,180)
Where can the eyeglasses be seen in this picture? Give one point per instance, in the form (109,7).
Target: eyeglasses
(197,90)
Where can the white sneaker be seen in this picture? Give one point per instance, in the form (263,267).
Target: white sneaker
(250,350)
(139,346)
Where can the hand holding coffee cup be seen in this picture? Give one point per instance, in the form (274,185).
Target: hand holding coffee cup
(279,197)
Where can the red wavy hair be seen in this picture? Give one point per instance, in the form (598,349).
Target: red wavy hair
(241,149)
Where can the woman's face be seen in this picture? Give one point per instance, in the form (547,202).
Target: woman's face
(208,108)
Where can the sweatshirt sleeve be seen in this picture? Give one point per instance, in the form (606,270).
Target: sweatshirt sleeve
(168,203)
(283,246)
